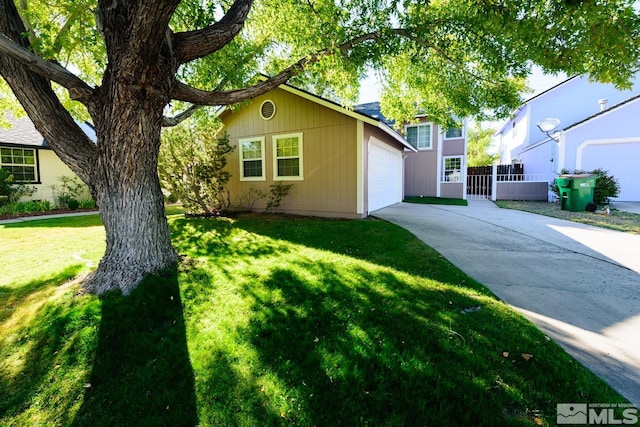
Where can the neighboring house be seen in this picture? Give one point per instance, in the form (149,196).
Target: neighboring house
(26,155)
(598,129)
(341,162)
(438,167)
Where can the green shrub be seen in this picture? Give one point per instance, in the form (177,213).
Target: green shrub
(276,192)
(10,192)
(192,165)
(73,204)
(607,187)
(17,208)
(68,189)
(87,204)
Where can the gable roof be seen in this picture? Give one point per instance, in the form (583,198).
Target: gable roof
(380,122)
(603,112)
(22,132)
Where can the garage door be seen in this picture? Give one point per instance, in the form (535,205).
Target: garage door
(621,162)
(384,174)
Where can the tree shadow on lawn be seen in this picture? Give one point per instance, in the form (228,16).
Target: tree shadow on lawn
(390,341)
(141,374)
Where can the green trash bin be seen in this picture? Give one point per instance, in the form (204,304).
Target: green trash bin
(576,191)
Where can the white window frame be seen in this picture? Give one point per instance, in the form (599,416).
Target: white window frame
(461,127)
(300,156)
(36,171)
(445,170)
(418,125)
(263,177)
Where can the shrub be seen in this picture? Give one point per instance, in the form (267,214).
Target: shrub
(73,204)
(607,187)
(10,192)
(70,188)
(277,191)
(248,198)
(192,164)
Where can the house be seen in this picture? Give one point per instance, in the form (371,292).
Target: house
(597,129)
(26,155)
(438,167)
(342,162)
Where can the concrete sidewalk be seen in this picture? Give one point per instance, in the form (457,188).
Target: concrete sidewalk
(579,284)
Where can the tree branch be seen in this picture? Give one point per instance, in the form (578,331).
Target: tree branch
(179,118)
(183,92)
(191,45)
(78,89)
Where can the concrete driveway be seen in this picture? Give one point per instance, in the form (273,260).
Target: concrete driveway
(579,284)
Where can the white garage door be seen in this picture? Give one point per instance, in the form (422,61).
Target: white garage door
(621,161)
(384,175)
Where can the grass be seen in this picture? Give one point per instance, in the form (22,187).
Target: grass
(618,220)
(435,200)
(271,320)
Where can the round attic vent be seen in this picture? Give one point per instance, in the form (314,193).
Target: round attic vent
(267,110)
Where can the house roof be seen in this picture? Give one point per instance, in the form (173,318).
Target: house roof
(603,112)
(373,110)
(22,132)
(540,95)
(380,122)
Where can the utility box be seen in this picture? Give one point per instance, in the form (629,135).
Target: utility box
(576,191)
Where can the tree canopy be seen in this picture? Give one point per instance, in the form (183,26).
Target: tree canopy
(132,66)
(442,56)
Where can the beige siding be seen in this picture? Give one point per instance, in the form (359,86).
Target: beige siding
(329,154)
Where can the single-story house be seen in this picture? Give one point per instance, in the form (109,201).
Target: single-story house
(597,129)
(342,162)
(26,155)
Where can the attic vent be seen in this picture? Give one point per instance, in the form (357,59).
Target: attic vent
(267,110)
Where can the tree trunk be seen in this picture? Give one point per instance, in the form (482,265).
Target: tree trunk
(128,190)
(132,209)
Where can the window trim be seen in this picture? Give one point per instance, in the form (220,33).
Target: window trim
(422,124)
(36,164)
(443,178)
(461,127)
(263,177)
(300,156)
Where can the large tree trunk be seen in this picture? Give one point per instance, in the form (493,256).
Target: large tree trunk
(136,88)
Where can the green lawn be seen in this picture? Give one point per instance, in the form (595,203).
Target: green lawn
(269,321)
(427,200)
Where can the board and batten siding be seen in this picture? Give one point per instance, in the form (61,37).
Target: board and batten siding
(329,187)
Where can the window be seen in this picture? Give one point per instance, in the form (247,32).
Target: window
(420,136)
(20,162)
(252,159)
(287,157)
(454,132)
(452,170)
